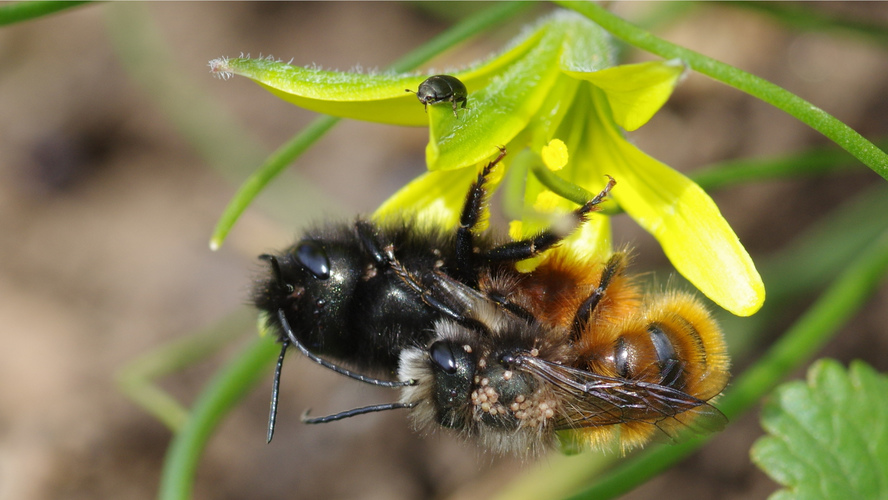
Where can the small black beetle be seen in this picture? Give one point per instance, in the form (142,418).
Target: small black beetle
(442,88)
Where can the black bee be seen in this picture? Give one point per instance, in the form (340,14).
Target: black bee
(504,357)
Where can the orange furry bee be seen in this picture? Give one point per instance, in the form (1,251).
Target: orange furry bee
(506,359)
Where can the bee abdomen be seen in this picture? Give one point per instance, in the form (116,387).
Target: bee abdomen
(672,341)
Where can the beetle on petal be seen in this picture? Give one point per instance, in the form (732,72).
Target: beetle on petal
(442,88)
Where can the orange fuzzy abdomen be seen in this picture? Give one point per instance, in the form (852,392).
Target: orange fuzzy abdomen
(558,288)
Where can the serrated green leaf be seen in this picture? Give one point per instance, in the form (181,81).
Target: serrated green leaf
(827,438)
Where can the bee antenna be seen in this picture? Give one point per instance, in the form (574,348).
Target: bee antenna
(275,390)
(336,368)
(356,411)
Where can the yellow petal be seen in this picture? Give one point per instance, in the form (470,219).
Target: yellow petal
(635,91)
(531,92)
(433,198)
(680,215)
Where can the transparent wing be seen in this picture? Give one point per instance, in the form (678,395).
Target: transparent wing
(592,400)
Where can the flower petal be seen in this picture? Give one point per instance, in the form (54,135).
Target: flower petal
(374,97)
(590,243)
(528,92)
(434,197)
(680,215)
(497,112)
(635,91)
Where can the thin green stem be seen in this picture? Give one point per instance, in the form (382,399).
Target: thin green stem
(24,11)
(815,161)
(563,188)
(822,320)
(286,154)
(804,17)
(801,109)
(273,166)
(136,379)
(227,388)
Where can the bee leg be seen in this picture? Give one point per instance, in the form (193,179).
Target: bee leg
(511,307)
(471,213)
(612,268)
(529,247)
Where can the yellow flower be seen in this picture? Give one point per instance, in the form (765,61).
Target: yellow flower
(555,92)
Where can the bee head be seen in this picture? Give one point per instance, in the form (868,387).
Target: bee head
(468,381)
(310,282)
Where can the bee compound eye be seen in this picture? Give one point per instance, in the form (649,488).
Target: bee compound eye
(313,257)
(441,353)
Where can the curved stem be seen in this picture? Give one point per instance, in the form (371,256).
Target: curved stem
(779,97)
(23,11)
(223,392)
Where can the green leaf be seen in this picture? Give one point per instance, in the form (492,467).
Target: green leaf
(828,438)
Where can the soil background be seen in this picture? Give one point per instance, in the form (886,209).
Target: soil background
(118,151)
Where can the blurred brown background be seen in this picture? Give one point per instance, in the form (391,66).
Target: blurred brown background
(118,151)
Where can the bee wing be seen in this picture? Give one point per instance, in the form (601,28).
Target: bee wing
(592,400)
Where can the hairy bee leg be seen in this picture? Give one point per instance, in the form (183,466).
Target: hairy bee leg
(612,268)
(469,217)
(511,307)
(529,247)
(427,296)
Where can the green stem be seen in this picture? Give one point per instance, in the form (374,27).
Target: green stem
(802,341)
(222,393)
(23,11)
(274,165)
(803,17)
(136,379)
(565,189)
(816,161)
(801,109)
(285,155)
